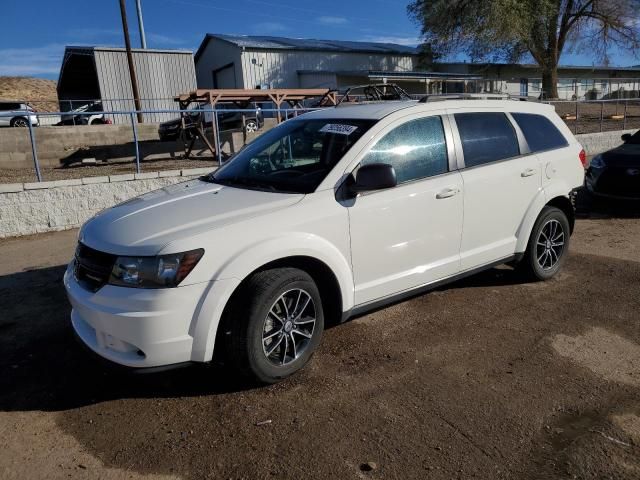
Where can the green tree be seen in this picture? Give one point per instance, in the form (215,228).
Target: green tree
(493,30)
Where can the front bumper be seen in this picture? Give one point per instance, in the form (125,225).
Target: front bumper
(138,328)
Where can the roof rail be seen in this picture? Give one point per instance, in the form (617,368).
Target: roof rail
(473,96)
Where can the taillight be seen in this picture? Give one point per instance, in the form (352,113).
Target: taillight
(583,158)
(108,121)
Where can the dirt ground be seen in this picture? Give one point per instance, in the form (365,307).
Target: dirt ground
(487,378)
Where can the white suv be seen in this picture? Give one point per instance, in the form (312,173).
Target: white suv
(328,215)
(17,114)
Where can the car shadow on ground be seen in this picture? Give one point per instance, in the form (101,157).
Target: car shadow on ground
(43,367)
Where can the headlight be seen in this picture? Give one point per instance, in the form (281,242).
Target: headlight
(154,272)
(597,162)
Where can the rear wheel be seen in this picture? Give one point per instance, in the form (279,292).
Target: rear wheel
(548,245)
(277,323)
(19,122)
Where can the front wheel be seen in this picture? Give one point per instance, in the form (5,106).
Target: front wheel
(251,126)
(277,323)
(548,245)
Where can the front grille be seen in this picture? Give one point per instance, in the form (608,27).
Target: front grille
(92,268)
(618,181)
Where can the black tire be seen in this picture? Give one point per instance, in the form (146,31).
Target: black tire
(19,122)
(543,260)
(250,316)
(251,126)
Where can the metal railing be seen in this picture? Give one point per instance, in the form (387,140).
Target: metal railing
(212,120)
(591,116)
(580,116)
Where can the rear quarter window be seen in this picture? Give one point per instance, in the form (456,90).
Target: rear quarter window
(540,132)
(486,137)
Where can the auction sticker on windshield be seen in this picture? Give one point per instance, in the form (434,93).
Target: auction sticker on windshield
(338,128)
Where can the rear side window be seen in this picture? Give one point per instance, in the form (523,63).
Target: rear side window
(9,106)
(486,137)
(539,131)
(416,149)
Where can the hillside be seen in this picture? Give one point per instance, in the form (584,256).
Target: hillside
(40,92)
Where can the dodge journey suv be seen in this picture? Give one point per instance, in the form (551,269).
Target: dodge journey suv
(326,216)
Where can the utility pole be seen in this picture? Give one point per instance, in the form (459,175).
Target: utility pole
(132,72)
(143,38)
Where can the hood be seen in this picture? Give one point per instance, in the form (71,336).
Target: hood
(144,225)
(626,155)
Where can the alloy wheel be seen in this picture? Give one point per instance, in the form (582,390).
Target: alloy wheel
(288,327)
(550,244)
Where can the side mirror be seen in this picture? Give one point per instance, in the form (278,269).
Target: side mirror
(374,176)
(625,137)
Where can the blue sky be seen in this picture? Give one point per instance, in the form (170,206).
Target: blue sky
(35,32)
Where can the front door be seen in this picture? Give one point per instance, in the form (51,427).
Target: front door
(409,235)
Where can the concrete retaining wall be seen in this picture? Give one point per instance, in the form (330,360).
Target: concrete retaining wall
(27,208)
(595,143)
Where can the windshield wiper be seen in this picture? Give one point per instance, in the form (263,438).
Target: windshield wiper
(244,182)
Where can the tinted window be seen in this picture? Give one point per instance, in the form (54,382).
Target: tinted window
(416,149)
(486,137)
(539,131)
(9,106)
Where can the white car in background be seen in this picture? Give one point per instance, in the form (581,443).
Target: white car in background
(329,215)
(17,114)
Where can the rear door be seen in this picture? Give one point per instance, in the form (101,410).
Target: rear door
(560,160)
(501,180)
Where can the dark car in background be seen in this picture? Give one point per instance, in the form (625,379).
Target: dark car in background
(89,114)
(228,118)
(616,173)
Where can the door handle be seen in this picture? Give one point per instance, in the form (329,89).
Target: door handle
(529,172)
(448,192)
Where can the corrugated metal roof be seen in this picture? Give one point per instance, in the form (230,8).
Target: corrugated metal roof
(534,66)
(92,48)
(391,74)
(307,44)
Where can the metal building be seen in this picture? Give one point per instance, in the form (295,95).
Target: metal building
(234,61)
(101,74)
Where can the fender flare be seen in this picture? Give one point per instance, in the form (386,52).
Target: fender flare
(542,198)
(244,263)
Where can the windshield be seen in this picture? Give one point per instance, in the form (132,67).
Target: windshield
(294,157)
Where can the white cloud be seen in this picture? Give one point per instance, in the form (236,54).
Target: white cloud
(43,60)
(328,20)
(158,39)
(408,41)
(269,27)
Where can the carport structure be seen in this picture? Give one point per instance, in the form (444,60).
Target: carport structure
(241,98)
